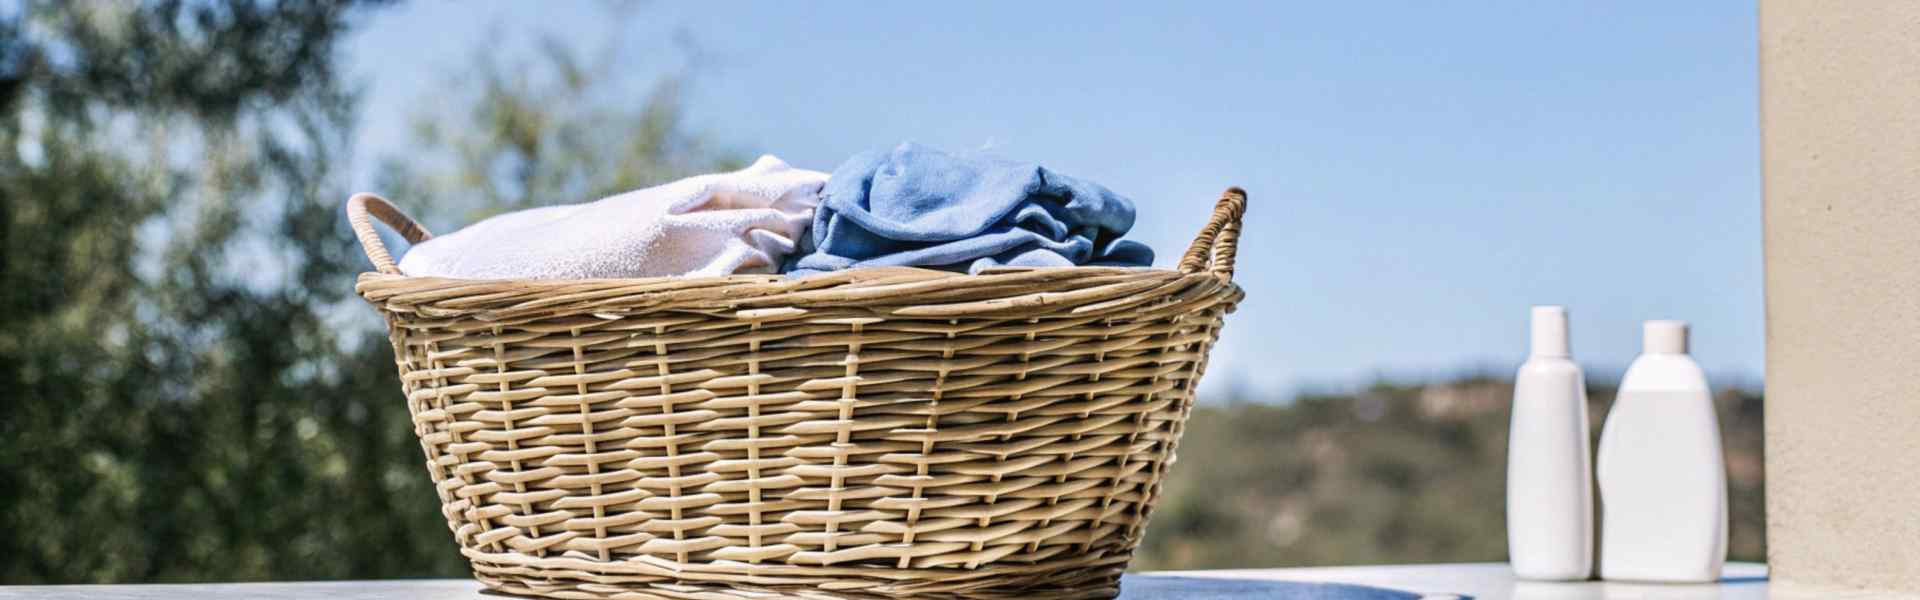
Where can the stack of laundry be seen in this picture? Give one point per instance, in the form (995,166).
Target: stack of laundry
(910,206)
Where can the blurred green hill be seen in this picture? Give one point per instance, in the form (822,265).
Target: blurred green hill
(1390,474)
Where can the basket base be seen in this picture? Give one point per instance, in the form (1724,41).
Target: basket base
(1100,580)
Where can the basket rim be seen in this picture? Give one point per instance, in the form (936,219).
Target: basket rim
(891,292)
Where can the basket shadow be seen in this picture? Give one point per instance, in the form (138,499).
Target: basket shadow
(1165,587)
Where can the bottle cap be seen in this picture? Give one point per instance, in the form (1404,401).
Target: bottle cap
(1664,337)
(1550,331)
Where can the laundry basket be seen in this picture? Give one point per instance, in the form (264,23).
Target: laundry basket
(870,433)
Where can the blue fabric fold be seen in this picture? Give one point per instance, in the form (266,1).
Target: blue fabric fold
(917,206)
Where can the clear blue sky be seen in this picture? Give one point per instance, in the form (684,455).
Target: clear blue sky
(1419,174)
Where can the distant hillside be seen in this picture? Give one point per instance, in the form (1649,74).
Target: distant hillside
(1393,474)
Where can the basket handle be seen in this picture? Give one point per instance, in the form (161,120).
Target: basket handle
(357,209)
(1214,248)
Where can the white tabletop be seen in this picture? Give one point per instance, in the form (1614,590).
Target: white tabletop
(1481,581)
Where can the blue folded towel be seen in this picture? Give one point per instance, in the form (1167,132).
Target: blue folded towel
(916,206)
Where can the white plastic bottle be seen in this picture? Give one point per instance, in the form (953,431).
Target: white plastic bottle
(1549,476)
(1663,479)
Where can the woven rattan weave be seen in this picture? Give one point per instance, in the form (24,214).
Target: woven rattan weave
(872,433)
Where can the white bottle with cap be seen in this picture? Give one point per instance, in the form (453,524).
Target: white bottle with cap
(1549,477)
(1663,480)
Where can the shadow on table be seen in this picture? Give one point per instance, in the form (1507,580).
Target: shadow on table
(1164,587)
(1729,587)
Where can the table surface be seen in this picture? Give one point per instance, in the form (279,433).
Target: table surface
(1484,581)
(1495,581)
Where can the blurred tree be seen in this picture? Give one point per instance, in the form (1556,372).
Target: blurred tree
(549,128)
(192,390)
(182,402)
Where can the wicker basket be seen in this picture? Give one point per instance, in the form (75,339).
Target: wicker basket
(872,433)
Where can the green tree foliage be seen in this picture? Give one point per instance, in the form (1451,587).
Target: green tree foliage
(183,400)
(192,390)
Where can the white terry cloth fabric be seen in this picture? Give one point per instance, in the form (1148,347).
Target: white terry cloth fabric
(740,222)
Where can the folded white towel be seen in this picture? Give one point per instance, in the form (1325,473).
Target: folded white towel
(740,222)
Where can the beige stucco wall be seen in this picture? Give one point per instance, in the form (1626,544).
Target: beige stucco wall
(1840,129)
